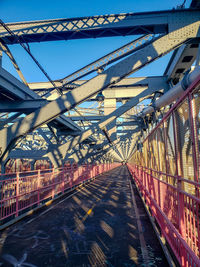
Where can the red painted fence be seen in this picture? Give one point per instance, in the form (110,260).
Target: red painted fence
(167,173)
(24,190)
(174,210)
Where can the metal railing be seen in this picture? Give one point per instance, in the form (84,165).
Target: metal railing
(23,191)
(167,173)
(176,212)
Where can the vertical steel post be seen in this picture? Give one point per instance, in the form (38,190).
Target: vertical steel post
(194,145)
(53,180)
(151,181)
(63,179)
(17,194)
(70,176)
(38,188)
(181,205)
(180,197)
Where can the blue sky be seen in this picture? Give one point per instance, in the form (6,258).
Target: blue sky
(63,57)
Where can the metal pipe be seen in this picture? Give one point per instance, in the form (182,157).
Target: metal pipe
(174,92)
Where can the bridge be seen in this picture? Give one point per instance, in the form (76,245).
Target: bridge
(101,167)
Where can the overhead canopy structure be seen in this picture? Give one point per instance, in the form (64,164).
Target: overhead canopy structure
(45,120)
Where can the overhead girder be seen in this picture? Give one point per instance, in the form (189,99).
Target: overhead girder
(4,122)
(59,153)
(131,144)
(173,93)
(17,97)
(61,150)
(89,152)
(183,57)
(86,117)
(25,106)
(195,4)
(115,73)
(90,155)
(27,154)
(128,123)
(99,64)
(6,50)
(78,155)
(180,61)
(123,139)
(13,89)
(96,26)
(126,88)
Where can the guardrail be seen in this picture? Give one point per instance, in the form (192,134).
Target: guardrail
(176,212)
(22,191)
(166,169)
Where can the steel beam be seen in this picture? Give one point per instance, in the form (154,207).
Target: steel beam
(181,60)
(5,49)
(97,26)
(128,123)
(1,53)
(13,88)
(9,120)
(88,118)
(27,154)
(173,93)
(183,57)
(21,98)
(125,89)
(25,106)
(179,34)
(59,152)
(103,62)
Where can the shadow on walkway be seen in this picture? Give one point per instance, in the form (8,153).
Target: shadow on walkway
(95,227)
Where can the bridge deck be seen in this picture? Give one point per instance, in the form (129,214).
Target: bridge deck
(103,224)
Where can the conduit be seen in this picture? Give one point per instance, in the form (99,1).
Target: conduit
(174,93)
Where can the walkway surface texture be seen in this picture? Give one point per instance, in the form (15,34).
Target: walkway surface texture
(101,224)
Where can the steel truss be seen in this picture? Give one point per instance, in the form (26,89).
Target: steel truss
(179,31)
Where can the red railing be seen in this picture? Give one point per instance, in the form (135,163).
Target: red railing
(172,207)
(22,165)
(24,190)
(167,173)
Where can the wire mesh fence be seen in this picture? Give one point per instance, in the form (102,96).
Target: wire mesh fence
(167,173)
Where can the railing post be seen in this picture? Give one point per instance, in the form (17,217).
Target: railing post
(143,177)
(151,182)
(53,180)
(63,180)
(38,188)
(87,176)
(80,173)
(93,171)
(70,176)
(159,191)
(73,173)
(181,208)
(17,194)
(139,172)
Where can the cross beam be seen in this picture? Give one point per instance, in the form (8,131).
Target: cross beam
(96,26)
(186,29)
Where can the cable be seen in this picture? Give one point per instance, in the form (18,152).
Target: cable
(183,3)
(27,49)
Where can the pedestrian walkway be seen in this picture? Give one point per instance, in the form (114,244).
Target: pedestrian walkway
(103,223)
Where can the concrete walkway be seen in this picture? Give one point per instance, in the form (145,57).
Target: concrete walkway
(103,224)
